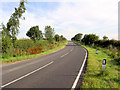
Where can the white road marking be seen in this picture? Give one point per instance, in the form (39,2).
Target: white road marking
(27,75)
(78,76)
(64,55)
(71,50)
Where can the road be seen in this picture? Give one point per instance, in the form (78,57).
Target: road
(60,69)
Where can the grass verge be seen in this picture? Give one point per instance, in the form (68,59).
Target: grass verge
(26,57)
(95,76)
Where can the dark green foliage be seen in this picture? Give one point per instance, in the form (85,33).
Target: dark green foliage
(57,38)
(107,43)
(34,33)
(41,43)
(49,33)
(62,38)
(89,39)
(7,47)
(77,37)
(24,44)
(112,48)
(105,38)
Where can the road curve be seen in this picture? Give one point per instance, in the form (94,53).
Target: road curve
(55,70)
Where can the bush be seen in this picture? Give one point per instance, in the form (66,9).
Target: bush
(9,52)
(34,50)
(24,44)
(27,47)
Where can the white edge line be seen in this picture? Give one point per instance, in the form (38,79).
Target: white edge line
(26,75)
(78,76)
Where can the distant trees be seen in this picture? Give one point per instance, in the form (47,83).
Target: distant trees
(61,37)
(34,33)
(93,39)
(87,39)
(57,38)
(77,37)
(90,38)
(49,33)
(105,38)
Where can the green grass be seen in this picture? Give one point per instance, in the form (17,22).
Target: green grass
(95,76)
(26,57)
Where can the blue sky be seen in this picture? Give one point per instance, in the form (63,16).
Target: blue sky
(68,18)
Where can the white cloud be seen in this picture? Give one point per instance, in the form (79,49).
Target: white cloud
(92,15)
(85,16)
(31,20)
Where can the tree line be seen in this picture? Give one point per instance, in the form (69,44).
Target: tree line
(36,34)
(112,46)
(93,39)
(38,42)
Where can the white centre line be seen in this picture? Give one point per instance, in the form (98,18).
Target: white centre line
(71,50)
(64,55)
(27,75)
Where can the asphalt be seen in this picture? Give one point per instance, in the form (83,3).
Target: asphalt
(55,70)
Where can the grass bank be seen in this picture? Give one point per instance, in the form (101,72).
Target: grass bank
(26,57)
(95,76)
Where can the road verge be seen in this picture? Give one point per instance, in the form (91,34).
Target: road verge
(95,76)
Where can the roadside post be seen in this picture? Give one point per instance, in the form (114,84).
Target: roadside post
(104,64)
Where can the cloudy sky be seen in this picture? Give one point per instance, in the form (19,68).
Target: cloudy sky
(67,17)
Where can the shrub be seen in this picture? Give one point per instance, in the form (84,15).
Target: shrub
(27,47)
(24,44)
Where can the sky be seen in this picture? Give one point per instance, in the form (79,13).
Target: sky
(68,18)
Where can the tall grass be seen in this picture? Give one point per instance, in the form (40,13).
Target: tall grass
(95,76)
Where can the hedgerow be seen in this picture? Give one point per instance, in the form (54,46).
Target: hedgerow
(29,47)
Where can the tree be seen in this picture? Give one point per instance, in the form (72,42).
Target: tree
(61,37)
(90,38)
(57,38)
(12,27)
(77,37)
(73,38)
(49,33)
(10,31)
(64,38)
(105,38)
(34,33)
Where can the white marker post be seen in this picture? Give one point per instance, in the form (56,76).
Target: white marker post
(104,64)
